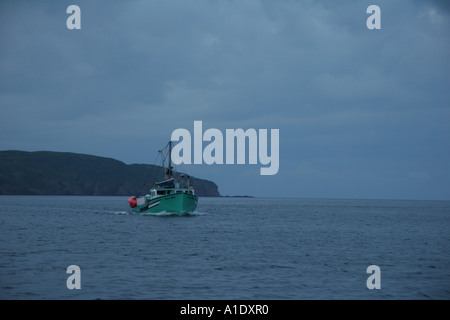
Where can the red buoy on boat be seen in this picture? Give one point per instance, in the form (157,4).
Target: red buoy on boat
(132,201)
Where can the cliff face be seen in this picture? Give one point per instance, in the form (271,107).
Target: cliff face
(60,173)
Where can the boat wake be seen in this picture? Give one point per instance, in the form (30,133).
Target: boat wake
(172,214)
(154,214)
(115,212)
(120,212)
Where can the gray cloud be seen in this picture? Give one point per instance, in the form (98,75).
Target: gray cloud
(354,107)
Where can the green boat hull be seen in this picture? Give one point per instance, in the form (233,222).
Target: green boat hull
(180,203)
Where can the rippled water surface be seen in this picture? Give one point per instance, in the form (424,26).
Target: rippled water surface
(230,248)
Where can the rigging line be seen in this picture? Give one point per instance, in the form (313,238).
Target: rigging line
(156,166)
(163,153)
(150,172)
(165,157)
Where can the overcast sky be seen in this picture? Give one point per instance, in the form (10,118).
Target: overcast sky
(362,113)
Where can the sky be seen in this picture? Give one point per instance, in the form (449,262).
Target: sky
(361,113)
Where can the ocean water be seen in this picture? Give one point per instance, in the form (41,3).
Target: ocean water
(230,248)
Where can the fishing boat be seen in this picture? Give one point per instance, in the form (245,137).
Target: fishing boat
(172,195)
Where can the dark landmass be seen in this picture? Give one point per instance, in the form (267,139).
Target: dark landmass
(63,173)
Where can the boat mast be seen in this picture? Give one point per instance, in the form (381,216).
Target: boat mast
(169,170)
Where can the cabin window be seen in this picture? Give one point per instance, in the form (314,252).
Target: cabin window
(161,192)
